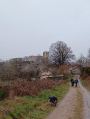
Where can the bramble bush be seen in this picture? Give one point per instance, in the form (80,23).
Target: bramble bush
(85,72)
(30,88)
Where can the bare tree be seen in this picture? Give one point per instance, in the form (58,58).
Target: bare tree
(82,62)
(7,72)
(60,53)
(17,64)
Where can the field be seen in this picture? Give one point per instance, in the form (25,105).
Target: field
(32,107)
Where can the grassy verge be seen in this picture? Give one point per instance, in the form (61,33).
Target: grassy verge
(79,106)
(84,83)
(32,107)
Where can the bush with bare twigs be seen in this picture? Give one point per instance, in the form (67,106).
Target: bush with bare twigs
(30,88)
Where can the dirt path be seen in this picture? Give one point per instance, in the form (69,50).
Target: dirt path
(86,98)
(66,108)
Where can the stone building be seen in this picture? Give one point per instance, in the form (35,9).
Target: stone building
(34,59)
(38,59)
(45,54)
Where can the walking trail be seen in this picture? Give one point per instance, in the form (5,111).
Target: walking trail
(86,98)
(66,108)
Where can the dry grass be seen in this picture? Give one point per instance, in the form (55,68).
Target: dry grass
(79,106)
(30,88)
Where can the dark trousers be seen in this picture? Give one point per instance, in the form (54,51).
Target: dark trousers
(72,84)
(76,84)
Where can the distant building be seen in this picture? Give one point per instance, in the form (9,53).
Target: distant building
(44,75)
(34,59)
(45,54)
(38,59)
(31,58)
(16,59)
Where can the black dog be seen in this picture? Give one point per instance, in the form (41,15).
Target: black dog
(53,100)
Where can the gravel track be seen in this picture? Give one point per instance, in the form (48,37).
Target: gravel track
(86,98)
(65,109)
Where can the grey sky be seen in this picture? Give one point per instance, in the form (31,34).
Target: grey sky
(29,27)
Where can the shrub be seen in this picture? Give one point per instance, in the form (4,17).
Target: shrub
(3,94)
(31,88)
(27,74)
(85,72)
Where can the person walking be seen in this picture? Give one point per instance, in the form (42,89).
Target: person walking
(76,81)
(72,82)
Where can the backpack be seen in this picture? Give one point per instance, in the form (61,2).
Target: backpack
(76,81)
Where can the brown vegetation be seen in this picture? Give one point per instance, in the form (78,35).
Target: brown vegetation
(27,74)
(87,80)
(63,69)
(31,88)
(85,74)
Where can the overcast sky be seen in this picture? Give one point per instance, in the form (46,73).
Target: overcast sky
(29,27)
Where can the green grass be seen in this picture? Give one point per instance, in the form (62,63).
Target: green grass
(33,107)
(84,83)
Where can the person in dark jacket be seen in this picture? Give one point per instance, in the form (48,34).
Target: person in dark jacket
(76,81)
(72,82)
(53,100)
